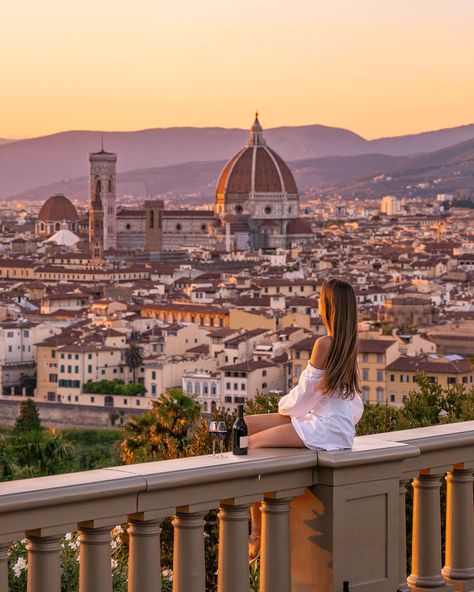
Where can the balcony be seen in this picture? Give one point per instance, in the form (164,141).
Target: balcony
(332,521)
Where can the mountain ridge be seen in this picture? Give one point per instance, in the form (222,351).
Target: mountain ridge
(445,170)
(37,162)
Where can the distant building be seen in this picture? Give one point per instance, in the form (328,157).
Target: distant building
(390,205)
(56,213)
(408,311)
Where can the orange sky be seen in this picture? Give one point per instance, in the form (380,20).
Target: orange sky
(377,67)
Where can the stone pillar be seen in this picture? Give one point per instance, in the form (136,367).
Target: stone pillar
(233,567)
(44,569)
(426,544)
(144,572)
(95,570)
(275,563)
(4,566)
(459,561)
(403,587)
(189,570)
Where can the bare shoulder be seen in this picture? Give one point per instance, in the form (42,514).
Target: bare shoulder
(320,351)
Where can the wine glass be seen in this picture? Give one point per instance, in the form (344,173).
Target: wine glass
(213,431)
(221,433)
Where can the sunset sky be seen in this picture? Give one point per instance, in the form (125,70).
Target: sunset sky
(377,67)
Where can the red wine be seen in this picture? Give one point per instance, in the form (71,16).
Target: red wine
(240,434)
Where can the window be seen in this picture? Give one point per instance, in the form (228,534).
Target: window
(242,387)
(89,369)
(264,372)
(205,389)
(213,389)
(152,219)
(264,385)
(239,400)
(392,398)
(178,227)
(236,386)
(69,369)
(379,392)
(76,357)
(153,389)
(89,356)
(61,369)
(26,333)
(153,375)
(137,402)
(380,376)
(366,393)
(189,387)
(53,378)
(451,380)
(379,358)
(69,356)
(365,357)
(365,374)
(227,399)
(76,369)
(404,378)
(197,388)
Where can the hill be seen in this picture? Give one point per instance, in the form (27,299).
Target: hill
(442,171)
(38,162)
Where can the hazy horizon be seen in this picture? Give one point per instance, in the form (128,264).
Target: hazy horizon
(377,69)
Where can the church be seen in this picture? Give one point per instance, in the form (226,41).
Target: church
(256,208)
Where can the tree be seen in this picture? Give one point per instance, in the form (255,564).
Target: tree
(28,418)
(134,359)
(163,432)
(41,452)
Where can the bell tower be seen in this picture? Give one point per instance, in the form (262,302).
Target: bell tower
(102,201)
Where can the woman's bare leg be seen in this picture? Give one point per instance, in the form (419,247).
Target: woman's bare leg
(265,421)
(278,436)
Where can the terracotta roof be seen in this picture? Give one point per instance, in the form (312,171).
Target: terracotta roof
(58,208)
(298,226)
(425,364)
(374,346)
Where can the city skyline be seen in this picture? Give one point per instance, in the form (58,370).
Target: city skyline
(375,70)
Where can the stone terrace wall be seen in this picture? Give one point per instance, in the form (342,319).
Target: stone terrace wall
(66,416)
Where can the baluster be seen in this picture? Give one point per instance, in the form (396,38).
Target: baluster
(144,572)
(189,573)
(44,564)
(233,567)
(4,566)
(459,561)
(275,570)
(426,544)
(403,587)
(95,570)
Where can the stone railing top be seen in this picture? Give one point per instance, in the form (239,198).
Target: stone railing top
(159,488)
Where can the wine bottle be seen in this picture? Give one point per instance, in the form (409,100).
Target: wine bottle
(240,434)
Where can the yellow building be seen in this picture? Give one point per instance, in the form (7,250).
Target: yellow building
(402,373)
(374,356)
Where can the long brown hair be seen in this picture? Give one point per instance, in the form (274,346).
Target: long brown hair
(338,308)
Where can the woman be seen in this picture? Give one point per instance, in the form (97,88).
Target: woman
(320,412)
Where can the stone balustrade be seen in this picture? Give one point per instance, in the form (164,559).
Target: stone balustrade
(331,521)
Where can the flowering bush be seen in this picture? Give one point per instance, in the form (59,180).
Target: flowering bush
(70,555)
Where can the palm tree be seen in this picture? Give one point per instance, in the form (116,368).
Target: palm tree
(161,432)
(134,359)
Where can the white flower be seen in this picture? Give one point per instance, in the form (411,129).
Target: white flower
(74,545)
(78,557)
(117,531)
(68,536)
(20,565)
(114,564)
(113,544)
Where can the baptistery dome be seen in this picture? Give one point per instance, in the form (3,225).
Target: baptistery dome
(256,174)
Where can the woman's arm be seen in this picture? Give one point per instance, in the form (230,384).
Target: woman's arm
(302,398)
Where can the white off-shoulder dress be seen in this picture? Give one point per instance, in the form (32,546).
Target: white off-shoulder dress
(322,421)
